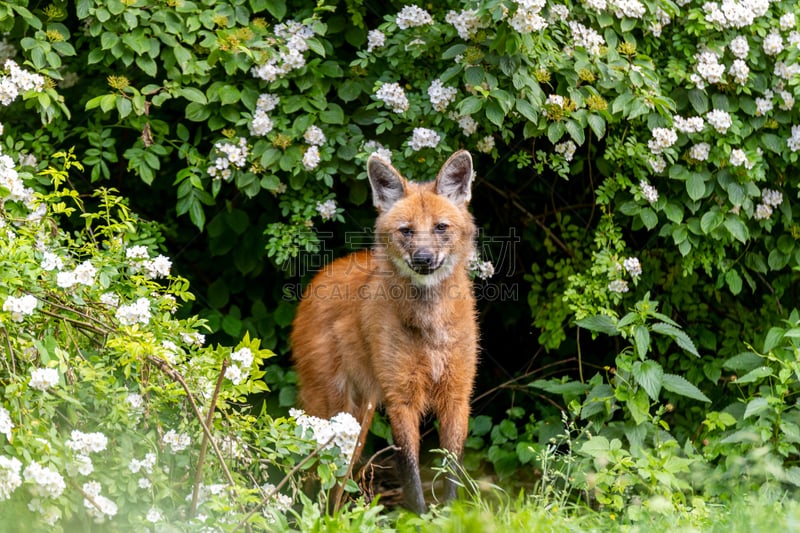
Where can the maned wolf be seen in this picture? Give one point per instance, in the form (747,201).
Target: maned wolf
(396,324)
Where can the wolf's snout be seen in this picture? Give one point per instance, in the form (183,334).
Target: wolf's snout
(423,261)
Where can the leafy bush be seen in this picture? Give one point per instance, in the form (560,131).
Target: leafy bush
(645,150)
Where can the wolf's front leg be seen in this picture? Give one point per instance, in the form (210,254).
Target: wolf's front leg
(405,430)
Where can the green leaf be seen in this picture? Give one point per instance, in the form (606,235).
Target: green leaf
(650,376)
(679,385)
(193,94)
(639,407)
(649,218)
(678,335)
(773,338)
(755,406)
(734,281)
(598,125)
(696,186)
(494,113)
(470,105)
(277,8)
(599,323)
(755,375)
(641,336)
(737,228)
(575,131)
(711,220)
(334,114)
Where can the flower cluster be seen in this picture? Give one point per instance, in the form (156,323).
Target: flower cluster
(424,137)
(466,22)
(43,378)
(16,81)
(342,430)
(565,149)
(663,138)
(374,147)
(467,124)
(486,144)
(793,142)
(719,120)
(6,425)
(481,269)
(139,258)
(20,307)
(735,13)
(82,274)
(770,199)
(137,312)
(412,16)
(628,8)
(375,39)
(699,152)
(261,124)
(145,464)
(233,155)
(295,38)
(239,369)
(99,507)
(440,95)
(86,443)
(177,442)
(10,180)
(649,192)
(586,38)
(327,209)
(688,125)
(393,96)
(632,266)
(709,69)
(10,479)
(46,482)
(526,18)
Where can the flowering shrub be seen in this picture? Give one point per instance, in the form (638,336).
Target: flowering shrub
(113,409)
(642,148)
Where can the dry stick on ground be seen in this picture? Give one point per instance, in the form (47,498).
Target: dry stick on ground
(362,472)
(198,474)
(175,375)
(366,422)
(280,485)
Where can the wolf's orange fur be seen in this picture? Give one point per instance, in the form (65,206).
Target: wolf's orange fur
(397,324)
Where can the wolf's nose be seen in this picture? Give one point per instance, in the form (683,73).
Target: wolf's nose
(422,259)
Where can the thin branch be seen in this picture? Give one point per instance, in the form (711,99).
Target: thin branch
(283,482)
(75,322)
(198,474)
(100,324)
(175,375)
(366,422)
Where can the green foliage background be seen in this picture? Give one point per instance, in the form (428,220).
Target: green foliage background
(696,364)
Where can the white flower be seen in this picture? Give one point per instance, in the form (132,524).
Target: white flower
(314,136)
(393,96)
(374,147)
(342,430)
(20,307)
(566,149)
(709,67)
(10,479)
(740,71)
(137,252)
(261,124)
(47,483)
(138,311)
(739,46)
(43,378)
(235,374)
(86,443)
(327,209)
(738,157)
(787,100)
(649,192)
(424,137)
(485,145)
(628,8)
(82,464)
(787,21)
(482,269)
(6,425)
(526,18)
(719,120)
(619,286)
(688,125)
(700,151)
(771,197)
(193,338)
(135,401)
(51,261)
(144,483)
(633,266)
(793,142)
(145,464)
(663,138)
(411,16)
(658,164)
(466,22)
(154,516)
(177,442)
(157,267)
(586,38)
(467,124)
(441,96)
(773,44)
(375,39)
(764,104)
(311,158)
(99,507)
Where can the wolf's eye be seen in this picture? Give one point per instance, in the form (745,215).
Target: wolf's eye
(406,232)
(440,228)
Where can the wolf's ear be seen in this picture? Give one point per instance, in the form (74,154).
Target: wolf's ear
(454,181)
(388,186)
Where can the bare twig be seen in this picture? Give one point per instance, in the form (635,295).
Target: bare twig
(165,367)
(77,323)
(198,474)
(366,422)
(280,485)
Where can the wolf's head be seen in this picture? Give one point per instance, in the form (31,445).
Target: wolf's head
(424,228)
